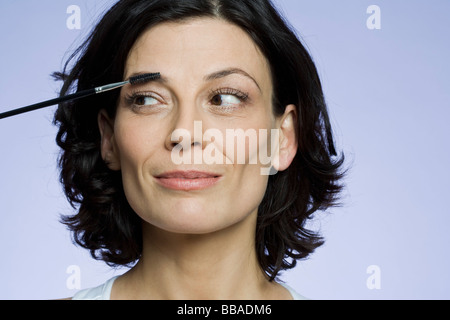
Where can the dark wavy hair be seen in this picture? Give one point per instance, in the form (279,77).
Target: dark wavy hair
(105,223)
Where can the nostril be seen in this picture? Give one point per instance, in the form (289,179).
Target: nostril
(173,145)
(194,144)
(183,139)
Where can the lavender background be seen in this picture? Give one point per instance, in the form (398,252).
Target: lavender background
(389,99)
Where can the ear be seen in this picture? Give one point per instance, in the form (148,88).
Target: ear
(108,146)
(288,146)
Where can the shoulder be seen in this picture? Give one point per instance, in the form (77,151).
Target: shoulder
(295,295)
(102,292)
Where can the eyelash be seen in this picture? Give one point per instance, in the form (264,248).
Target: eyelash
(244,97)
(130,99)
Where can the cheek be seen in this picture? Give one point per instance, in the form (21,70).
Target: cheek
(132,146)
(136,141)
(248,150)
(136,144)
(247,142)
(250,186)
(139,144)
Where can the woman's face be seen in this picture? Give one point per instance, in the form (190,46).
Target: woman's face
(169,137)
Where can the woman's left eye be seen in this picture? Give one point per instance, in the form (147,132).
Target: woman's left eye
(228,98)
(225,100)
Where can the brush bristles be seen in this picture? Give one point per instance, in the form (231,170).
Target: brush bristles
(144,78)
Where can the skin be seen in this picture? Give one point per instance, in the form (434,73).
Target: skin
(198,244)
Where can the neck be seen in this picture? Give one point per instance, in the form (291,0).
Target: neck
(218,265)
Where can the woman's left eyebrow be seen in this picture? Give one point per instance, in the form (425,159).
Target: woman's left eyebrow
(227,72)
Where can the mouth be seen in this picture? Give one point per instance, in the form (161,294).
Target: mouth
(188,180)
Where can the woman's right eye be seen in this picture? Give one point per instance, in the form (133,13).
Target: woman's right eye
(144,101)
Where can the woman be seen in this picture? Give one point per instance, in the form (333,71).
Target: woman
(219,224)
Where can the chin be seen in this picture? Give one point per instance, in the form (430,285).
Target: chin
(179,217)
(190,225)
(194,219)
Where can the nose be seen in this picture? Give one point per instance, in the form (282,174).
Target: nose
(183,139)
(187,130)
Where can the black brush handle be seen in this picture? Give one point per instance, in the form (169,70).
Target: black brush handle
(139,79)
(48,103)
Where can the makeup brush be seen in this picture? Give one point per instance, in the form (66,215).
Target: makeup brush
(139,79)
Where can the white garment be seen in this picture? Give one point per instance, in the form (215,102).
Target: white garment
(103,292)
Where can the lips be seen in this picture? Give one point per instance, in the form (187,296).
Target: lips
(188,180)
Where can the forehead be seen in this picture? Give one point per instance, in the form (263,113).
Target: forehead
(197,47)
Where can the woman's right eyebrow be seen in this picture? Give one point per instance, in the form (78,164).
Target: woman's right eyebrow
(161,78)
